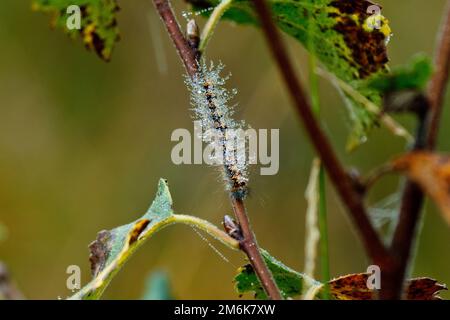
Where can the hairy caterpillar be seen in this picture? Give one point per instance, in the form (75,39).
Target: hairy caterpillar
(210,103)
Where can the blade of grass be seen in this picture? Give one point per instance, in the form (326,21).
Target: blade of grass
(323,224)
(323,229)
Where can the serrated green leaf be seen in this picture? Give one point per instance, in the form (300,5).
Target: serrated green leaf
(99,31)
(413,75)
(337,32)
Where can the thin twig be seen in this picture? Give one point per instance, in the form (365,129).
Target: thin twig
(413,197)
(209,228)
(323,227)
(185,52)
(322,212)
(436,91)
(376,174)
(250,247)
(248,243)
(341,180)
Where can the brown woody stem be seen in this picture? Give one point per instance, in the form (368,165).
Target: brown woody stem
(185,52)
(248,244)
(251,249)
(393,261)
(341,180)
(436,90)
(413,197)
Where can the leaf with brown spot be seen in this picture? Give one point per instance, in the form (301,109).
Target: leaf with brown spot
(99,251)
(351,287)
(432,172)
(138,228)
(111,249)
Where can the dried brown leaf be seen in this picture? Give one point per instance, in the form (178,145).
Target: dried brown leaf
(432,172)
(354,287)
(99,249)
(424,289)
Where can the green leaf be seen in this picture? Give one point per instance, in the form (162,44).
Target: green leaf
(338,34)
(99,31)
(413,75)
(290,282)
(113,248)
(335,30)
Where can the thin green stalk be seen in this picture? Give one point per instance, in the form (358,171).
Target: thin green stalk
(314,84)
(212,22)
(323,228)
(207,227)
(323,225)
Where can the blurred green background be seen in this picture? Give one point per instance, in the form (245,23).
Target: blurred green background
(83,143)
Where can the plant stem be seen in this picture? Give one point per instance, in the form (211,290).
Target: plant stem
(339,177)
(185,52)
(322,221)
(323,228)
(250,247)
(209,228)
(212,22)
(436,91)
(413,197)
(248,244)
(314,82)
